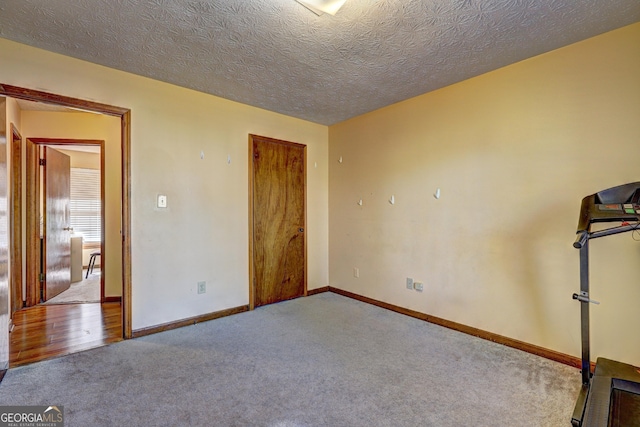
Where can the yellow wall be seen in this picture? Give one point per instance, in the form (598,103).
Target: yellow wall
(513,152)
(86,160)
(203,234)
(13,114)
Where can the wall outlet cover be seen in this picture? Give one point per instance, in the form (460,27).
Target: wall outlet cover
(202,287)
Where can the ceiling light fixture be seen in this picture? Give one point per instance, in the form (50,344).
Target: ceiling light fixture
(322,6)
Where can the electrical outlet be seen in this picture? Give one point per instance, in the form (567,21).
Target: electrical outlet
(202,287)
(356,272)
(409,283)
(418,286)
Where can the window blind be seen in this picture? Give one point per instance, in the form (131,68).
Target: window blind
(84,205)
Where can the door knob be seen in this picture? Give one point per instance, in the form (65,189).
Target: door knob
(301,230)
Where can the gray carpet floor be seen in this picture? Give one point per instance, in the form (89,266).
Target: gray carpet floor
(324,360)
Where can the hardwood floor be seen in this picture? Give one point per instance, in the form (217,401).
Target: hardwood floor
(48,331)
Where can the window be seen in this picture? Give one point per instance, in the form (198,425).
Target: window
(85,205)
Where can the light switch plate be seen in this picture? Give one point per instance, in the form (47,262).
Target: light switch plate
(162,201)
(409,283)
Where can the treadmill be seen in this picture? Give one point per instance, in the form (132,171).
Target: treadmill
(611,397)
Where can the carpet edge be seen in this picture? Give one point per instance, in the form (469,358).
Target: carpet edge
(137,333)
(556,356)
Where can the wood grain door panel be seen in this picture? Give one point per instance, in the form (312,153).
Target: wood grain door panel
(57,234)
(15,220)
(279,247)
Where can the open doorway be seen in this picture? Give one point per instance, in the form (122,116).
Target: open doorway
(65,221)
(107,319)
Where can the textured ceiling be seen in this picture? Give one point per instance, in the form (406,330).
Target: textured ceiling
(278,55)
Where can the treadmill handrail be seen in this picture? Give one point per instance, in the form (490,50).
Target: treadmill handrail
(584,236)
(581,239)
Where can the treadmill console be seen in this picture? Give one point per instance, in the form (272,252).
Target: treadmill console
(621,203)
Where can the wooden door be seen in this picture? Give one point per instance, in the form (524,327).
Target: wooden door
(57,231)
(15,221)
(278,217)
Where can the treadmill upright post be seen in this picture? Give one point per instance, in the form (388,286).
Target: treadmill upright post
(584,311)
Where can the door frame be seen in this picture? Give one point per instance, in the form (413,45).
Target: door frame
(15,220)
(252,284)
(125,148)
(33,211)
